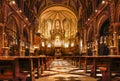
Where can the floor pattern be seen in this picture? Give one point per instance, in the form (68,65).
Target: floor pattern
(61,70)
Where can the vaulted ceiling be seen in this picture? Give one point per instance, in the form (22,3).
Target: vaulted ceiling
(37,6)
(82,8)
(40,5)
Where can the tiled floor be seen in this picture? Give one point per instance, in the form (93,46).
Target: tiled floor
(61,70)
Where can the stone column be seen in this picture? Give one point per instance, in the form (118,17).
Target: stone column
(115,37)
(2,35)
(96,46)
(4,9)
(21,53)
(31,42)
(85,42)
(4,13)
(114,47)
(96,36)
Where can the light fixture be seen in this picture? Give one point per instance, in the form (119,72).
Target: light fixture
(96,10)
(49,45)
(20,11)
(96,42)
(26,18)
(88,19)
(81,43)
(26,46)
(43,44)
(66,45)
(24,25)
(13,2)
(103,2)
(72,44)
(4,33)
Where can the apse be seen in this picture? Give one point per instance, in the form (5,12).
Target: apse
(57,25)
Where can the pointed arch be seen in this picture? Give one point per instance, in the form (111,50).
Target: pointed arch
(101,19)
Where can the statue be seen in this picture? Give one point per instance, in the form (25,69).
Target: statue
(57,24)
(57,41)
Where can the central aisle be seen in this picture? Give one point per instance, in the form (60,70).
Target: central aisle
(61,70)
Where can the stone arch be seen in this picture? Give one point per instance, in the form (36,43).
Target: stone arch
(103,24)
(12,39)
(90,39)
(90,33)
(49,6)
(15,18)
(101,20)
(18,22)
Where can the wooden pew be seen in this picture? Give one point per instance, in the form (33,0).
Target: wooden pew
(98,62)
(19,75)
(27,67)
(33,65)
(106,64)
(113,67)
(7,71)
(18,67)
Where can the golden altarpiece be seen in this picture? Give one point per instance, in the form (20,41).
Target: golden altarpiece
(58,28)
